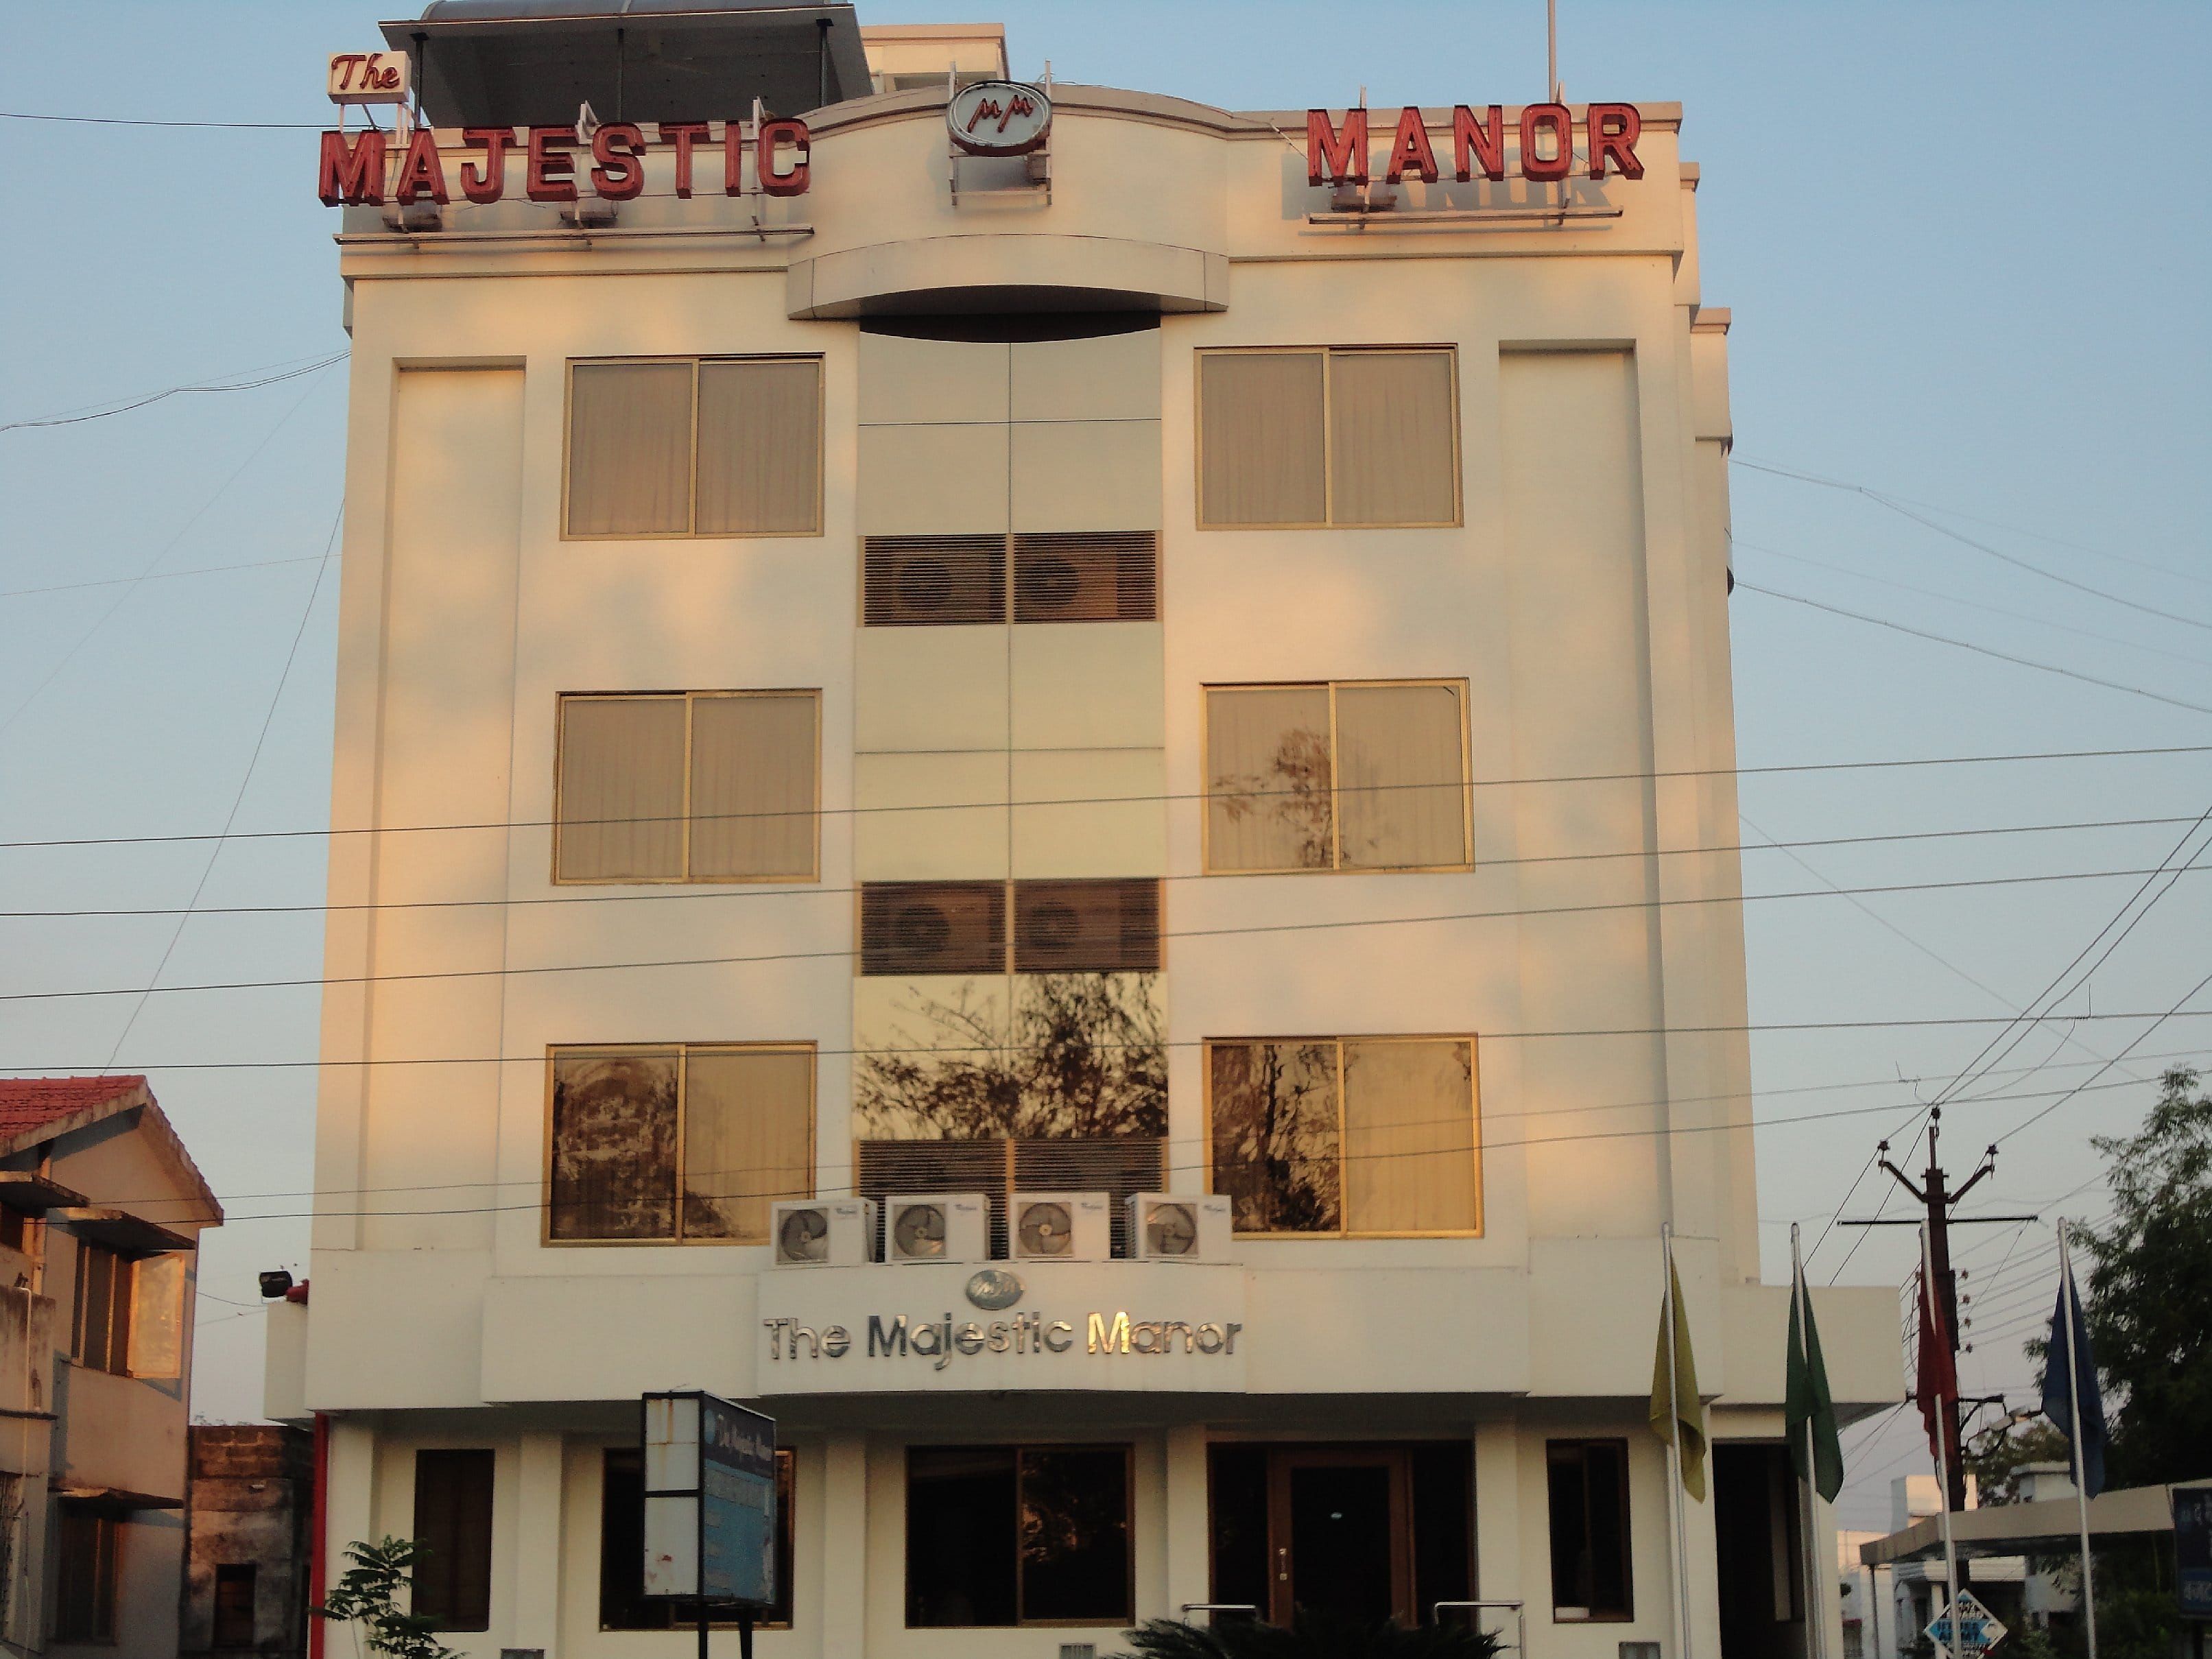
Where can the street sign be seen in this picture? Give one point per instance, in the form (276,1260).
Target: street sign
(2192,1550)
(1978,1630)
(710,1524)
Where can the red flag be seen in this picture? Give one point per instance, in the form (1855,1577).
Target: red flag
(1939,1368)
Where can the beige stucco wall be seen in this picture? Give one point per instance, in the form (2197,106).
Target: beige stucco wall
(1581,599)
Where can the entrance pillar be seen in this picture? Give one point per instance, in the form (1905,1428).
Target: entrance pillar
(844,1617)
(538,1541)
(1497,1570)
(1190,1536)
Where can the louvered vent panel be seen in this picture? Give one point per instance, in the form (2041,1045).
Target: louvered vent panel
(932,928)
(1102,575)
(1086,926)
(1120,1167)
(929,580)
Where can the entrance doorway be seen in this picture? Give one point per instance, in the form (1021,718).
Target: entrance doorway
(1758,1533)
(1363,1532)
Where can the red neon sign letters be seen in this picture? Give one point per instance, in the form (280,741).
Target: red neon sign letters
(555,165)
(1338,154)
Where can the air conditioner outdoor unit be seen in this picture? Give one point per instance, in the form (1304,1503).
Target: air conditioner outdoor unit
(1179,1227)
(824,1232)
(1061,1227)
(938,1228)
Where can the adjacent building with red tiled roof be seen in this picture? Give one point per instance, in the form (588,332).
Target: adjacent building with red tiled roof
(101,1212)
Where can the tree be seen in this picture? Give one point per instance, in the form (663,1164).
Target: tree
(1995,1461)
(2148,1299)
(370,1591)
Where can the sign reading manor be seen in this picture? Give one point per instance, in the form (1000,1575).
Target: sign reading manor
(941,1341)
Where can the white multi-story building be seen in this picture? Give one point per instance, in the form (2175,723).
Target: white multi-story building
(1165,661)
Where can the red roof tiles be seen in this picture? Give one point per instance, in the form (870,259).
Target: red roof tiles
(30,1104)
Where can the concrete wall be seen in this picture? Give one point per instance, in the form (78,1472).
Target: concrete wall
(252,1498)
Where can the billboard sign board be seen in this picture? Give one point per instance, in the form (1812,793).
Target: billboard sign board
(710,1521)
(2192,1549)
(1978,1630)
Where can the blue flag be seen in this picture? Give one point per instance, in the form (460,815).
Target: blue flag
(2063,1382)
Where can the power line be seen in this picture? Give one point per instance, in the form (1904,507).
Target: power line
(1895,504)
(132,586)
(1971,605)
(1777,769)
(1263,928)
(1925,1022)
(260,739)
(98,413)
(136,121)
(1978,650)
(724,1190)
(158,576)
(694,891)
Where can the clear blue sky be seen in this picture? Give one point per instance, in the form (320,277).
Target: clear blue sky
(1966,249)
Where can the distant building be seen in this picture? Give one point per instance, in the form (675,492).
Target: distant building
(246,1574)
(101,1212)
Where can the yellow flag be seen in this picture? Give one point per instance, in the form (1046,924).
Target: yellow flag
(1685,1391)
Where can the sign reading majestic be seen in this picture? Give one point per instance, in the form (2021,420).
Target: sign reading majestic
(555,163)
(1544,149)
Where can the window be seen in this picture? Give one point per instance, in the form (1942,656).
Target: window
(1007,1536)
(1353,775)
(128,1316)
(1588,1485)
(623,1603)
(701,785)
(1327,436)
(84,1609)
(452,1523)
(233,1605)
(1073,576)
(1357,1135)
(1075,927)
(689,446)
(686,1143)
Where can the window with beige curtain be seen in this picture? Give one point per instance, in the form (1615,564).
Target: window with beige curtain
(701,785)
(1326,435)
(715,447)
(1341,775)
(1354,1136)
(677,1143)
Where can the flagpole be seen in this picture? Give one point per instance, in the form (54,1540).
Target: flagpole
(2074,1400)
(1680,1524)
(1816,1620)
(1932,1302)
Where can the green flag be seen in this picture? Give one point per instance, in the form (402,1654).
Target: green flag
(1681,1400)
(1807,1406)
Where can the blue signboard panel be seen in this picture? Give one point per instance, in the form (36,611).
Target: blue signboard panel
(737,1503)
(2192,1549)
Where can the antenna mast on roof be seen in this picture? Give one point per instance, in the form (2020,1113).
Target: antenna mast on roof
(1552,50)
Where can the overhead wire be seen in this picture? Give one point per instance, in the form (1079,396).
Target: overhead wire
(124,406)
(1775,769)
(1249,930)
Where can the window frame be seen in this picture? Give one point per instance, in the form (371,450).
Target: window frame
(1344,1231)
(1019,1448)
(1336,866)
(560,701)
(692,533)
(122,1311)
(1580,1445)
(1326,351)
(557,1052)
(491,1532)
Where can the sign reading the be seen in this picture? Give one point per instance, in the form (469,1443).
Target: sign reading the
(709,1500)
(1544,150)
(999,118)
(368,77)
(1978,1630)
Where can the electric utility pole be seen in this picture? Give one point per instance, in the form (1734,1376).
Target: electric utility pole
(1935,1197)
